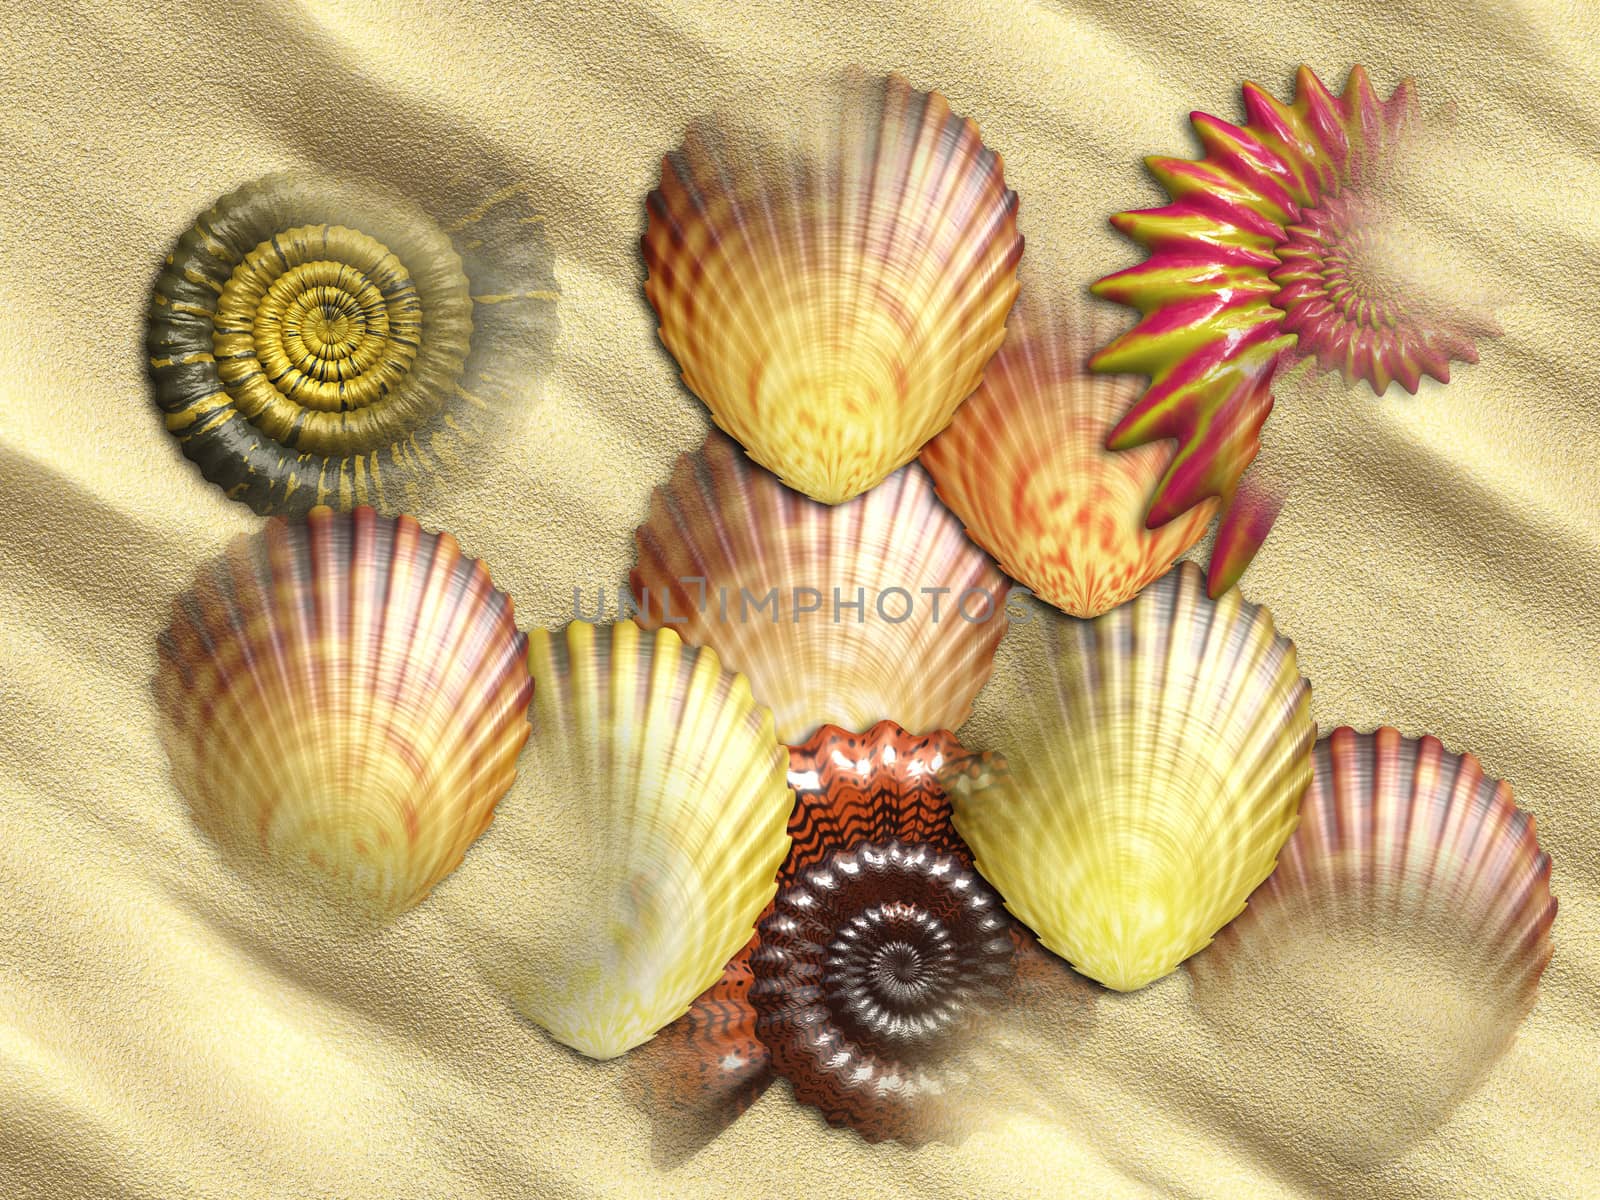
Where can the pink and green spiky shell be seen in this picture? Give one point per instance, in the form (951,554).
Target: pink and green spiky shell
(1256,264)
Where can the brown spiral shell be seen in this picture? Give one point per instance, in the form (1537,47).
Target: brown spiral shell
(870,968)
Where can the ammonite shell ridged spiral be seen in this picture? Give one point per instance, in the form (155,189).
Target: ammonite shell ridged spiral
(699,1074)
(883,785)
(870,967)
(312,342)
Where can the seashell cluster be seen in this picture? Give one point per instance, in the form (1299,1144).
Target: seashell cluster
(1271,251)
(661,788)
(880,788)
(1147,791)
(879,608)
(751,831)
(1025,466)
(343,700)
(832,316)
(705,1069)
(313,342)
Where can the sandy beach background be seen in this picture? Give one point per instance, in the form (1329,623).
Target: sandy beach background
(166,1034)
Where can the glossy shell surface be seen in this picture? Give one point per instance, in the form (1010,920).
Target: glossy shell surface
(343,700)
(1024,465)
(660,791)
(877,609)
(832,313)
(315,342)
(1131,809)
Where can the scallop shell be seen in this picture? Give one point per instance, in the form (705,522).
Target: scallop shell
(1410,916)
(314,342)
(871,963)
(662,788)
(1147,791)
(1025,467)
(343,699)
(1273,250)
(833,319)
(1403,830)
(731,558)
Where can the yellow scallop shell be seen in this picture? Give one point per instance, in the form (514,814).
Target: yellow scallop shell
(832,319)
(661,806)
(1146,791)
(343,701)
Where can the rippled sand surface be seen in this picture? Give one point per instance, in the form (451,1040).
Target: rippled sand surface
(165,1033)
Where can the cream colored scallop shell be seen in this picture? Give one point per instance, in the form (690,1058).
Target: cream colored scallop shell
(1147,789)
(343,700)
(876,609)
(832,315)
(661,806)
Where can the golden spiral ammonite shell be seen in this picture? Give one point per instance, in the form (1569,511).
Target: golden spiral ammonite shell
(314,343)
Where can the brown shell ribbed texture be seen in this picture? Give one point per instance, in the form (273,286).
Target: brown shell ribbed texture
(880,786)
(870,965)
(344,699)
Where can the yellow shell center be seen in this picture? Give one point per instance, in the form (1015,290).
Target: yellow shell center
(316,332)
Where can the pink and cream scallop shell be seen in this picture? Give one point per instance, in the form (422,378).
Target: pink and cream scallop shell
(723,536)
(1389,959)
(1400,830)
(833,314)
(1024,465)
(343,700)
(1285,242)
